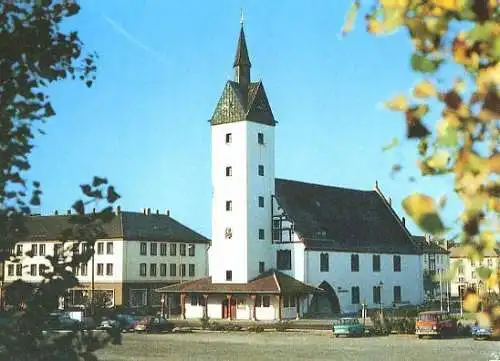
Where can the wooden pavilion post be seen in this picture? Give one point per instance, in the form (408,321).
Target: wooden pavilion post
(183,306)
(280,308)
(297,307)
(205,306)
(230,309)
(252,307)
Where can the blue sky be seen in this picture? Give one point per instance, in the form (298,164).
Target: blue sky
(161,69)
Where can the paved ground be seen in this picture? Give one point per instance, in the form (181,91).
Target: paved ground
(294,345)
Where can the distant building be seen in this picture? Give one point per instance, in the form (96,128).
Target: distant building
(284,248)
(467,275)
(435,264)
(140,252)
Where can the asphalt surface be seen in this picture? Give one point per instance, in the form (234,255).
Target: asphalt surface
(295,345)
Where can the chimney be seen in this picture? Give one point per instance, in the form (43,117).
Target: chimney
(168,212)
(376,185)
(69,212)
(404,221)
(118,210)
(56,213)
(149,211)
(390,201)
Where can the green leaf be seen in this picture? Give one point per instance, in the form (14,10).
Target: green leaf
(112,195)
(423,211)
(484,272)
(481,32)
(423,65)
(79,207)
(394,143)
(97,181)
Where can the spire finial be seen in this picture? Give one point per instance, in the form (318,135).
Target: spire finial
(241,17)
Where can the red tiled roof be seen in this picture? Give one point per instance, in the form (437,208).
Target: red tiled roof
(271,282)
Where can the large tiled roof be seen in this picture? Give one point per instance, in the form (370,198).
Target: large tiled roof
(428,247)
(270,282)
(126,225)
(461,252)
(341,219)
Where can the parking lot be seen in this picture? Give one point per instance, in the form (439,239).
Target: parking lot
(294,345)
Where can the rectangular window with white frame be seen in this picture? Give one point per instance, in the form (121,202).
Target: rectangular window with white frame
(109,269)
(109,247)
(289,301)
(229,171)
(142,269)
(100,269)
(34,249)
(33,269)
(100,247)
(191,270)
(191,250)
(153,249)
(41,250)
(163,249)
(143,249)
(182,250)
(163,270)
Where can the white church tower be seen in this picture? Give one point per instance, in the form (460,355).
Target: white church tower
(242,177)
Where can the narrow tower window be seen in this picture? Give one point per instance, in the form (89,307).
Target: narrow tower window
(261,170)
(229,171)
(261,202)
(229,138)
(229,205)
(229,275)
(260,138)
(261,233)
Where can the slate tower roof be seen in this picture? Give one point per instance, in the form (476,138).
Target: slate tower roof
(241,98)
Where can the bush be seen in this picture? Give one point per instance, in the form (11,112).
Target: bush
(282,326)
(205,323)
(404,325)
(256,328)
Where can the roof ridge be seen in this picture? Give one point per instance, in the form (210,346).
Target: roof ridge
(378,191)
(277,281)
(324,185)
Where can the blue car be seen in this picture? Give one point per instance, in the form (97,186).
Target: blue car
(481,332)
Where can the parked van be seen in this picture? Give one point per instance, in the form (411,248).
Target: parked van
(435,323)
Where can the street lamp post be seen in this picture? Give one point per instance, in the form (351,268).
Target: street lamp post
(380,285)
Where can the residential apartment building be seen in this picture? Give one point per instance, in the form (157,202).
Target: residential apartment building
(435,263)
(141,252)
(467,271)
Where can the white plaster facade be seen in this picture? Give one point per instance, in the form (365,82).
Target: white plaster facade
(466,274)
(236,145)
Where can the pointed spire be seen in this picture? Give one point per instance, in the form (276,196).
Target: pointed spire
(242,63)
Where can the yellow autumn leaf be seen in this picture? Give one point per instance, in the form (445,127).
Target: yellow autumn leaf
(459,85)
(494,163)
(487,239)
(424,89)
(453,5)
(397,103)
(394,3)
(483,319)
(439,160)
(422,209)
(496,311)
(487,78)
(351,18)
(492,280)
(471,302)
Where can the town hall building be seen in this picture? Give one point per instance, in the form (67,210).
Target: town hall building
(284,249)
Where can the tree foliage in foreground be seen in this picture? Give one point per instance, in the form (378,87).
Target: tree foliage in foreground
(461,37)
(35,52)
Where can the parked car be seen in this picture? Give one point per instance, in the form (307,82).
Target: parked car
(480,332)
(154,325)
(123,321)
(61,321)
(435,323)
(348,326)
